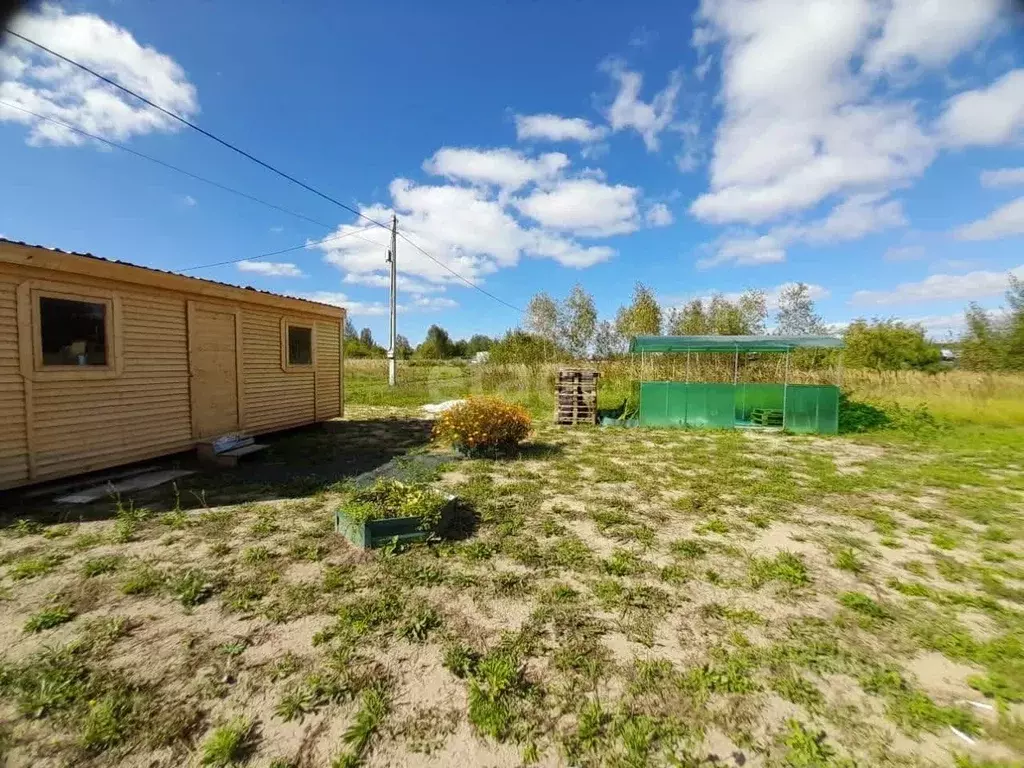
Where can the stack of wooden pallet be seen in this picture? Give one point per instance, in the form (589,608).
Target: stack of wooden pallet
(576,396)
(766,417)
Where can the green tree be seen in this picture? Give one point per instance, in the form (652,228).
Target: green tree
(436,346)
(746,315)
(578,321)
(888,345)
(642,317)
(519,346)
(478,343)
(366,338)
(994,341)
(350,329)
(542,317)
(725,317)
(1015,324)
(753,307)
(795,315)
(982,345)
(403,349)
(691,320)
(607,341)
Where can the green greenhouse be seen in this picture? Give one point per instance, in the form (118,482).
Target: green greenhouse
(795,407)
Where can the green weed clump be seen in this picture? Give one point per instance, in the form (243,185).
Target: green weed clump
(48,618)
(33,567)
(228,744)
(871,416)
(785,567)
(373,710)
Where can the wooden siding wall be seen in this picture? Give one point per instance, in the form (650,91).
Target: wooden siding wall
(278,399)
(328,370)
(84,425)
(64,427)
(13,443)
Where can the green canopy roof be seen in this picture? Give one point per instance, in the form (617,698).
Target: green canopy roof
(731,343)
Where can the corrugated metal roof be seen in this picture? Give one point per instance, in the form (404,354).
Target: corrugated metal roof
(731,343)
(163,271)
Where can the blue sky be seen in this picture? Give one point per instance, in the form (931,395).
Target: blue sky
(870,148)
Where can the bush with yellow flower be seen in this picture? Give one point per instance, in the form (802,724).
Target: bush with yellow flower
(483,426)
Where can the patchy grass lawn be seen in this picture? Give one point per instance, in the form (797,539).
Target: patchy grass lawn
(627,598)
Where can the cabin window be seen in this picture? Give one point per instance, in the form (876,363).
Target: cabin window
(300,345)
(74,332)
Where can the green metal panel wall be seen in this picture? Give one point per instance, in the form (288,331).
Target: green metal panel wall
(808,409)
(812,409)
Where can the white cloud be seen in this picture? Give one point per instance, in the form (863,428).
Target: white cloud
(354,308)
(986,116)
(383,280)
(189,201)
(277,229)
(648,119)
(801,123)
(469,229)
(567,252)
(270,268)
(377,308)
(585,207)
(939,327)
(505,168)
(432,303)
(930,32)
(658,215)
(1003,177)
(745,251)
(852,219)
(1006,221)
(37,82)
(974,285)
(642,37)
(548,127)
(904,253)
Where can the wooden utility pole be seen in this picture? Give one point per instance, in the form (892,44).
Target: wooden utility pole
(392,259)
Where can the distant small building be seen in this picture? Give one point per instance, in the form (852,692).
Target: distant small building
(481,357)
(948,355)
(105,363)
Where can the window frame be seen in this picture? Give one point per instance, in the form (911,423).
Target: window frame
(286,364)
(30,331)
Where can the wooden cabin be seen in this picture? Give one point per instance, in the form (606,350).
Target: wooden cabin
(105,363)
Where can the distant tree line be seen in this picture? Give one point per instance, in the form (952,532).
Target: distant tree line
(438,345)
(571,328)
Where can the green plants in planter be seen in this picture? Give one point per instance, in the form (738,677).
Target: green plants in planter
(390,510)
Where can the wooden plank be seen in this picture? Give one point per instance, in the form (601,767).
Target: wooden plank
(136,483)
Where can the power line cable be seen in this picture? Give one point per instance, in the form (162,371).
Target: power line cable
(468,282)
(354,233)
(151,159)
(193,126)
(251,157)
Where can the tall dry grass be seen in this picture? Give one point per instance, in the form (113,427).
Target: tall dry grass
(995,399)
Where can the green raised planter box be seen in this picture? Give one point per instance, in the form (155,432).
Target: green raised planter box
(377,533)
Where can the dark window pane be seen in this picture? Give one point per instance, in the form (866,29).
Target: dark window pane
(300,345)
(74,332)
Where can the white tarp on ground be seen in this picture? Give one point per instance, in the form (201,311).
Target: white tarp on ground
(436,408)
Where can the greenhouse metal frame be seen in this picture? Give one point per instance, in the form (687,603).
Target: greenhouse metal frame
(800,408)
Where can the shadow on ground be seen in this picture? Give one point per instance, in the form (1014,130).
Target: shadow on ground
(298,463)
